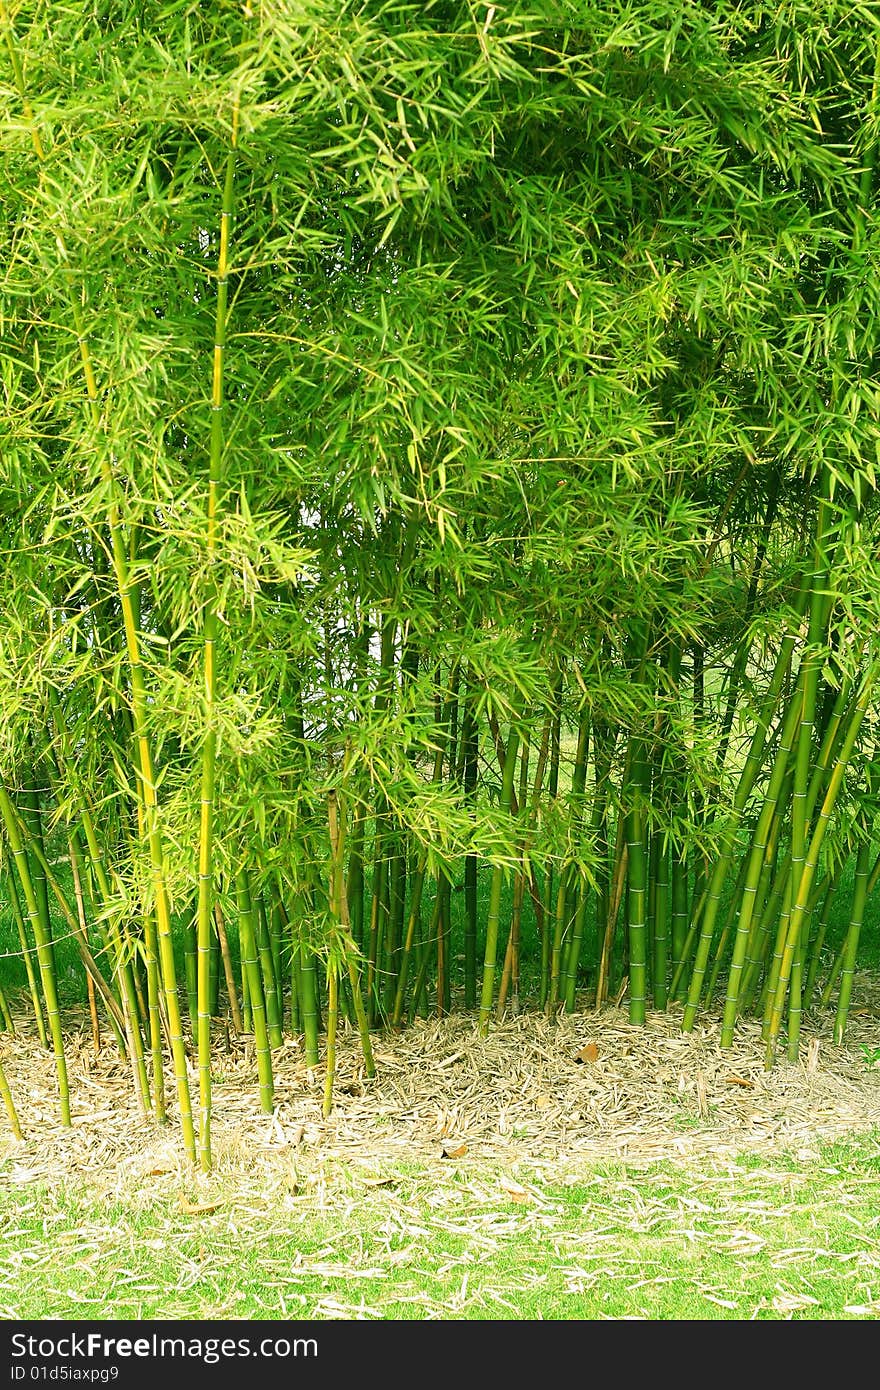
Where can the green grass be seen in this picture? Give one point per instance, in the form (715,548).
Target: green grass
(767,1239)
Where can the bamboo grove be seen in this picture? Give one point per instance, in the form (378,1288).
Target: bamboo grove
(440,543)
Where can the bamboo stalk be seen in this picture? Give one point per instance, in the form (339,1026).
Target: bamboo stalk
(332,1017)
(210,632)
(27,953)
(637,884)
(308,1002)
(748,777)
(753,872)
(490,957)
(660,858)
(8,1021)
(251,966)
(9,1104)
(232,992)
(112,936)
(339,910)
(412,923)
(800,905)
(851,942)
(90,984)
(44,955)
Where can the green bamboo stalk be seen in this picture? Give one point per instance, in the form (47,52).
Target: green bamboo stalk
(833,975)
(775,877)
(548,915)
(575,904)
(114,1011)
(719,954)
(751,768)
(274,923)
(44,955)
(818,940)
(795,995)
(332,1017)
(355,880)
(621,866)
(804,746)
(851,942)
(429,940)
(339,911)
(742,657)
(27,952)
(394,935)
(510,971)
(151,959)
(360,1014)
(377,915)
(701,808)
(415,902)
(113,938)
(492,919)
(31,816)
(679,918)
(574,953)
(251,964)
(293,985)
(188,928)
(637,883)
(308,993)
(444,890)
(246,1015)
(660,857)
(675,986)
(604,740)
(119,948)
(757,852)
(6,21)
(801,902)
(771,979)
(267,971)
(380,900)
(559,928)
(8,1021)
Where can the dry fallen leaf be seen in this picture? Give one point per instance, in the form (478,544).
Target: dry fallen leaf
(589,1053)
(198,1208)
(515,1194)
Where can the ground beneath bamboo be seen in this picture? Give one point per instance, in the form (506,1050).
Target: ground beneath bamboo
(555,1094)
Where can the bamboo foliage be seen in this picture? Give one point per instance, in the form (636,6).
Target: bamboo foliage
(500,627)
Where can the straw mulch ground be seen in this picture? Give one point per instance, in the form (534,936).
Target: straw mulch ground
(550,1094)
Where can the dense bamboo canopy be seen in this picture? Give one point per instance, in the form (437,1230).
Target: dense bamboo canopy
(437,486)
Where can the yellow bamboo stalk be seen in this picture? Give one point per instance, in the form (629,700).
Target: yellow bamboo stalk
(204,918)
(9,1104)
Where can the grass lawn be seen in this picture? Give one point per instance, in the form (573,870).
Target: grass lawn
(789,1237)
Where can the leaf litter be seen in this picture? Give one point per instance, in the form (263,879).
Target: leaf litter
(585,1099)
